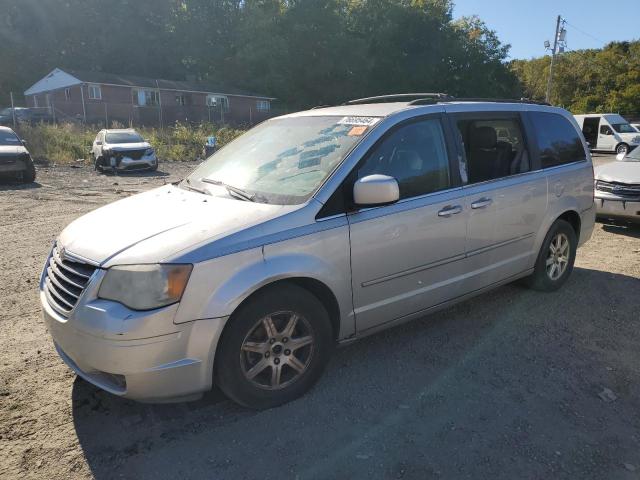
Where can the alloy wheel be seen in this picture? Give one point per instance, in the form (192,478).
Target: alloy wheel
(277,351)
(558,256)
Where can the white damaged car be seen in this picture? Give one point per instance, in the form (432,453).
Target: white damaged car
(122,149)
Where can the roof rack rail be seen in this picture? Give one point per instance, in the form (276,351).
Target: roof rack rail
(399,97)
(427,101)
(320,106)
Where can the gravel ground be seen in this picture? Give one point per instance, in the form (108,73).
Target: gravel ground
(513,384)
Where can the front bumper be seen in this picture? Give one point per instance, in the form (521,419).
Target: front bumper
(618,208)
(122,162)
(138,355)
(12,166)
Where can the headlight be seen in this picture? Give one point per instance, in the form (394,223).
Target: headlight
(144,287)
(149,151)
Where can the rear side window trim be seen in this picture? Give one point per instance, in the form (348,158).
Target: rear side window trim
(537,159)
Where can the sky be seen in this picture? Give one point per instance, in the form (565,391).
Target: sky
(526,24)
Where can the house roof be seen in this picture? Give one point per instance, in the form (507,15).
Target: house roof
(74,77)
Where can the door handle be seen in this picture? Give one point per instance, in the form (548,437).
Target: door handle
(450,210)
(483,202)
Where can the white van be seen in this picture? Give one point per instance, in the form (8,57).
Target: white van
(608,132)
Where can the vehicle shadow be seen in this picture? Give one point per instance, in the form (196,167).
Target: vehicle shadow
(630,230)
(493,387)
(13,184)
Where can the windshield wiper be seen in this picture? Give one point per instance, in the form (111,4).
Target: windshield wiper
(195,189)
(232,190)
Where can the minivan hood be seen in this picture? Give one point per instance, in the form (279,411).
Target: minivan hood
(154,226)
(633,137)
(620,172)
(12,149)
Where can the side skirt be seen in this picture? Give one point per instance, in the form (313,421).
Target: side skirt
(432,309)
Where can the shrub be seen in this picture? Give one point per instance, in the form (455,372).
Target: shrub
(66,143)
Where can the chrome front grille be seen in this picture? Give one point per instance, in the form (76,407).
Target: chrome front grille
(65,280)
(620,189)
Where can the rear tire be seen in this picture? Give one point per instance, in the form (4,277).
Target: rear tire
(555,259)
(274,347)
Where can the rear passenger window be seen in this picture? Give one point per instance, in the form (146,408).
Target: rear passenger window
(494,148)
(415,155)
(558,140)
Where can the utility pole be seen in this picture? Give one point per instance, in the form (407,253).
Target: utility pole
(558,41)
(13,110)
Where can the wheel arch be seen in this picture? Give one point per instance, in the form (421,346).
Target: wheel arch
(573,218)
(568,213)
(314,286)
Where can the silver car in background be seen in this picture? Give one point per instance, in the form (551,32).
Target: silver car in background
(617,187)
(315,229)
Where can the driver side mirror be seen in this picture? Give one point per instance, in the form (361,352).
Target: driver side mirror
(374,190)
(98,142)
(24,142)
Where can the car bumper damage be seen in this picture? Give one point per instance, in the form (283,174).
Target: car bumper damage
(130,160)
(610,205)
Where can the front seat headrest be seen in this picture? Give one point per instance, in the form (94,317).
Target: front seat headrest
(483,137)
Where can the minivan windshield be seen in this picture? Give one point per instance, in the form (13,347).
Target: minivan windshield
(623,128)
(284,160)
(123,137)
(8,138)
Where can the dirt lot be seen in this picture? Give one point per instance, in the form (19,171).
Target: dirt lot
(514,384)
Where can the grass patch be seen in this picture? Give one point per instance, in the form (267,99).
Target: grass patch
(66,143)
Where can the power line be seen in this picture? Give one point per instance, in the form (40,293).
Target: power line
(585,33)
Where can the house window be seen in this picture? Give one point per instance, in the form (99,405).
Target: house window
(218,101)
(67,94)
(35,101)
(181,99)
(95,93)
(146,98)
(263,105)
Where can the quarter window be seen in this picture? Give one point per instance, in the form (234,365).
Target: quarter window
(558,141)
(95,92)
(494,148)
(415,155)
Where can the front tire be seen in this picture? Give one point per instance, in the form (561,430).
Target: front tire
(622,148)
(98,164)
(274,348)
(555,259)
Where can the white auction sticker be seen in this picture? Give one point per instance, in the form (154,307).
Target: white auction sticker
(359,121)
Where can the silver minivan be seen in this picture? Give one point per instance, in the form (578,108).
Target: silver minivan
(311,230)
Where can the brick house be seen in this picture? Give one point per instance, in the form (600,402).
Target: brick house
(98,97)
